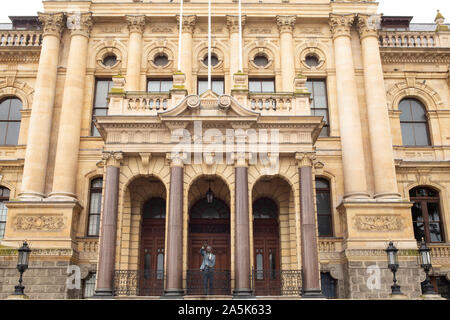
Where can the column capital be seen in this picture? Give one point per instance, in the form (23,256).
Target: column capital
(286,23)
(80,23)
(136,23)
(176,159)
(241,159)
(368,25)
(52,23)
(189,23)
(340,24)
(112,158)
(233,23)
(305,159)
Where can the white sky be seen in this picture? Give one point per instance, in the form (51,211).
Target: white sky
(422,10)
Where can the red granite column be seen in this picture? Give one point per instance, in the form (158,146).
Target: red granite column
(310,256)
(105,270)
(174,285)
(242,243)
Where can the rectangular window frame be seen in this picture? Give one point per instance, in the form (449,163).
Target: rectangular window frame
(95,107)
(327,109)
(160,80)
(261,80)
(96,190)
(222,79)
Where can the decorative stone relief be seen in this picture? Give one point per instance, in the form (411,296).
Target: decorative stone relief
(233,23)
(80,23)
(376,223)
(340,25)
(136,23)
(286,23)
(188,23)
(52,23)
(39,223)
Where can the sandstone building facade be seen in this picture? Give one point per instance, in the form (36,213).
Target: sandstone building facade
(95,96)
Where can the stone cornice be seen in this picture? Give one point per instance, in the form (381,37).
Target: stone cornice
(189,23)
(80,24)
(52,23)
(286,23)
(136,23)
(367,25)
(233,23)
(340,25)
(415,55)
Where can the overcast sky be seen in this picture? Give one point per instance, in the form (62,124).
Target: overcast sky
(422,10)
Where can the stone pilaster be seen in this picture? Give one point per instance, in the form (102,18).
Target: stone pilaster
(286,26)
(174,285)
(187,31)
(136,27)
(385,179)
(66,162)
(355,185)
(310,255)
(107,243)
(233,27)
(35,168)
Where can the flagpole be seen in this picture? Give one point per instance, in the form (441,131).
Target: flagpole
(209,44)
(240,37)
(179,35)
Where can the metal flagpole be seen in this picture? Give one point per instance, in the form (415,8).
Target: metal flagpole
(179,35)
(240,37)
(209,44)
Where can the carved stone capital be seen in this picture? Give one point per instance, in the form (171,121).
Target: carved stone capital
(52,23)
(176,159)
(368,25)
(233,23)
(112,158)
(136,23)
(305,159)
(80,23)
(286,23)
(188,24)
(340,25)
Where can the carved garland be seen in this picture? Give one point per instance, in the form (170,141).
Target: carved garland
(39,223)
(376,223)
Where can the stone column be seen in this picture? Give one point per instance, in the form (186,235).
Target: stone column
(355,185)
(107,245)
(242,286)
(174,285)
(310,255)
(286,27)
(233,27)
(377,113)
(136,26)
(186,52)
(66,161)
(38,142)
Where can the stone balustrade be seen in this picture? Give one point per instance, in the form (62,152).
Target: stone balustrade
(139,103)
(440,250)
(330,245)
(411,39)
(20,38)
(270,103)
(87,248)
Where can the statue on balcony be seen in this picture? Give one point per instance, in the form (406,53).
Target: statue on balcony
(207,268)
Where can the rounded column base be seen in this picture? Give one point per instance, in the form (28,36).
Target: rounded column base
(243,293)
(173,294)
(62,196)
(312,294)
(104,294)
(357,196)
(388,196)
(31,196)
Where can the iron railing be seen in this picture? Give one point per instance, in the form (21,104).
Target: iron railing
(221,284)
(138,283)
(276,282)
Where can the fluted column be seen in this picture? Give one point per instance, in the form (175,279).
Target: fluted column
(310,255)
(377,113)
(174,285)
(107,243)
(186,53)
(286,27)
(136,26)
(38,141)
(233,27)
(66,162)
(355,185)
(242,253)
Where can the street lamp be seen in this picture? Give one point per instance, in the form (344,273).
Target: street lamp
(391,251)
(209,194)
(425,263)
(22,265)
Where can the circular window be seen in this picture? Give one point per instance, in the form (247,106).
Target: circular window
(161,60)
(110,60)
(312,61)
(214,60)
(261,60)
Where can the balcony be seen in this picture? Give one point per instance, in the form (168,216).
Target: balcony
(408,39)
(20,38)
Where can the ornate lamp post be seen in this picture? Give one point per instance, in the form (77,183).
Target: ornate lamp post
(391,251)
(22,265)
(209,194)
(425,263)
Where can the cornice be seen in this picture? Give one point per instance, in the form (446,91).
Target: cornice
(415,55)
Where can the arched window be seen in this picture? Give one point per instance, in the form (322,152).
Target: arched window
(4,196)
(426,215)
(155,208)
(413,122)
(218,209)
(265,208)
(95,204)
(10,121)
(323,203)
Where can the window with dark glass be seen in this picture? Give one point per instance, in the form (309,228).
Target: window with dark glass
(441,286)
(10,121)
(261,60)
(265,208)
(323,203)
(328,285)
(261,85)
(4,196)
(159,85)
(102,88)
(95,204)
(110,60)
(214,60)
(319,102)
(311,60)
(218,209)
(155,208)
(217,86)
(413,123)
(161,60)
(427,222)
